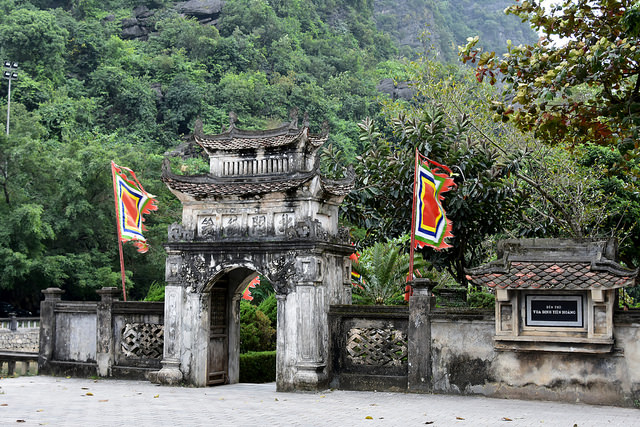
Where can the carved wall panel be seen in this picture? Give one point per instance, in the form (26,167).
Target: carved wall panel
(142,340)
(377,347)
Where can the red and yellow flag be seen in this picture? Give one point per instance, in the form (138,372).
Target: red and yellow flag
(431,223)
(132,202)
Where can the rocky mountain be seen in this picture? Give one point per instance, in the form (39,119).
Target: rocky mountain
(446,24)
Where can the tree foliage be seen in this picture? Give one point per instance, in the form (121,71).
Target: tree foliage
(583,88)
(437,123)
(383,268)
(88,93)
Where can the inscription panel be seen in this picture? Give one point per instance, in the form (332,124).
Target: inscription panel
(208,226)
(283,221)
(258,225)
(231,225)
(555,310)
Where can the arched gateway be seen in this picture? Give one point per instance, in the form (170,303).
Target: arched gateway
(263,208)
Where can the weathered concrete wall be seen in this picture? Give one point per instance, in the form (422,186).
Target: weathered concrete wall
(26,340)
(108,338)
(464,361)
(76,337)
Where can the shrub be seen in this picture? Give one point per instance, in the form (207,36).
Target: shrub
(258,367)
(155,292)
(481,299)
(270,307)
(256,333)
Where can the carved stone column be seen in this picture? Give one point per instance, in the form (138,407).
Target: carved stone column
(173,302)
(419,336)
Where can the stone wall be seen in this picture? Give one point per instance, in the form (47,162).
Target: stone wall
(108,338)
(24,340)
(462,358)
(464,361)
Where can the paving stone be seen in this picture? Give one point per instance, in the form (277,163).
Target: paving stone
(42,400)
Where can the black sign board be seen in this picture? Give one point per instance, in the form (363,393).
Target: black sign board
(555,310)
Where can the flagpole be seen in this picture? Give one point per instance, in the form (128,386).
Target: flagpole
(115,198)
(413,229)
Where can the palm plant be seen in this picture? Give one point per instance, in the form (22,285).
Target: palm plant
(383,269)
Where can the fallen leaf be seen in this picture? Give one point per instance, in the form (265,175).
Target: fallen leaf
(89,393)
(323,396)
(374,404)
(459,418)
(156,396)
(103,400)
(85,388)
(4,404)
(20,421)
(40,410)
(506,419)
(429,422)
(368,417)
(276,399)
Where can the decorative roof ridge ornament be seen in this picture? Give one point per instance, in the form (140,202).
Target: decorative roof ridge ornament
(613,267)
(198,128)
(233,118)
(499,266)
(341,186)
(293,115)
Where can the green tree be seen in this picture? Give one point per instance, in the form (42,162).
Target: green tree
(545,83)
(34,39)
(256,333)
(438,123)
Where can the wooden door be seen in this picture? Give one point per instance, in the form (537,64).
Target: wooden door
(218,363)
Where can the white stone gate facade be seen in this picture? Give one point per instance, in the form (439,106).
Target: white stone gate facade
(263,209)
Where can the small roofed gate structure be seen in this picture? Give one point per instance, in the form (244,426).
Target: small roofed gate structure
(263,209)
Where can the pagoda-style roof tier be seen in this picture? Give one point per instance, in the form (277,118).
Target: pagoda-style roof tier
(207,185)
(234,139)
(553,264)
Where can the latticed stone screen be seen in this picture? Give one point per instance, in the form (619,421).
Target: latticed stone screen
(143,340)
(377,347)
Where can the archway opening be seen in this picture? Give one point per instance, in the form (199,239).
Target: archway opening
(258,326)
(242,328)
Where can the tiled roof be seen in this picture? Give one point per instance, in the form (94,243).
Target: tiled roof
(552,275)
(239,140)
(203,186)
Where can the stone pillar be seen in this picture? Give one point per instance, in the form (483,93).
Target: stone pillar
(311,339)
(285,356)
(173,302)
(105,355)
(419,336)
(194,337)
(48,327)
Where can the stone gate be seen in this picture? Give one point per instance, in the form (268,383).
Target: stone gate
(263,209)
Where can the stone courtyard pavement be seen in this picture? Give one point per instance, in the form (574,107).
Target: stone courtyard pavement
(41,400)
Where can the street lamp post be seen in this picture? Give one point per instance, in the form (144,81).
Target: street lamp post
(10,73)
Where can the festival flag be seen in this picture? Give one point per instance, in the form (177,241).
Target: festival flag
(246,295)
(432,226)
(132,203)
(429,223)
